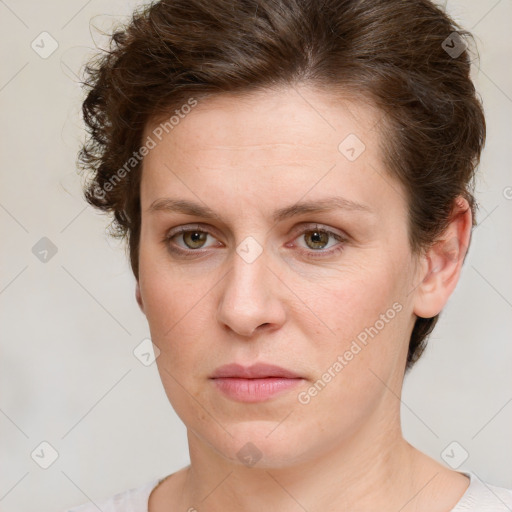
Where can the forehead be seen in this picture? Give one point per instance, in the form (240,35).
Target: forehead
(276,118)
(285,139)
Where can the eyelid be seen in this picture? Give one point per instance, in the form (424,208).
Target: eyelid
(297,229)
(312,226)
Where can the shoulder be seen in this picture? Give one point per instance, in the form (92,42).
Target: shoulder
(484,497)
(132,500)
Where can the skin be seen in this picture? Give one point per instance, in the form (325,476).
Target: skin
(244,157)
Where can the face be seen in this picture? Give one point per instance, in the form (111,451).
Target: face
(321,292)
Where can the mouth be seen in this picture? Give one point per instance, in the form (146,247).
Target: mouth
(255,383)
(255,371)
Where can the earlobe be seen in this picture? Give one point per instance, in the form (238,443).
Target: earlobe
(442,263)
(138,297)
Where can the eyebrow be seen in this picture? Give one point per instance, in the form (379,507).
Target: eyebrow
(303,207)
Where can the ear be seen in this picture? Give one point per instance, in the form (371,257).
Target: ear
(441,265)
(138,297)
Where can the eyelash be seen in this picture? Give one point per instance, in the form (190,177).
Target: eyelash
(312,254)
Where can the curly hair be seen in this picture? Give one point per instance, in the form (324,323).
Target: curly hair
(406,57)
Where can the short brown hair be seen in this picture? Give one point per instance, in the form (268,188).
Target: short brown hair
(407,57)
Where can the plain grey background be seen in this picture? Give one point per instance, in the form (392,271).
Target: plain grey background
(70,323)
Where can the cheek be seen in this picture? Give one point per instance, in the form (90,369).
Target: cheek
(178,316)
(367,347)
(167,293)
(360,324)
(351,302)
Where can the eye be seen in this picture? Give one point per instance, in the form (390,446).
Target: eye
(317,239)
(192,238)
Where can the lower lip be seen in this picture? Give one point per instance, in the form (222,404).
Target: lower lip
(254,390)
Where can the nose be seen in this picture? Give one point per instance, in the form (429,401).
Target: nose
(251,297)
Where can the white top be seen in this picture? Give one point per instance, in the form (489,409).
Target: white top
(479,497)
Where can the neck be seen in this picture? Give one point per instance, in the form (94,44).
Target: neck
(372,469)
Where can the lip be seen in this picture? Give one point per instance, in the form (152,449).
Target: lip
(255,371)
(254,390)
(255,383)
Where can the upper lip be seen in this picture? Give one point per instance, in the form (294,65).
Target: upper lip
(255,371)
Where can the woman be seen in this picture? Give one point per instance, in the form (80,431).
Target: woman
(294,182)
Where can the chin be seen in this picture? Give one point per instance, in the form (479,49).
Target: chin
(260,445)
